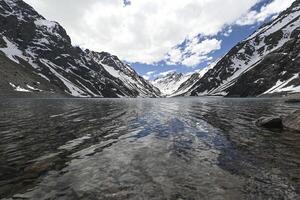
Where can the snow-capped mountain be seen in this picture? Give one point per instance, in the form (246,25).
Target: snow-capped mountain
(125,73)
(192,79)
(36,55)
(170,83)
(267,62)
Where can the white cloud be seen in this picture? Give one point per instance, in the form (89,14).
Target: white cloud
(151,73)
(165,73)
(204,47)
(194,52)
(174,56)
(266,11)
(148,75)
(228,32)
(146,30)
(195,59)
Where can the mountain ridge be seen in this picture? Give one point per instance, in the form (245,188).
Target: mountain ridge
(247,70)
(37,57)
(44,47)
(168,84)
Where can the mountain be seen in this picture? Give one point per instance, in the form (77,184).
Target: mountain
(192,79)
(125,73)
(266,63)
(36,56)
(170,83)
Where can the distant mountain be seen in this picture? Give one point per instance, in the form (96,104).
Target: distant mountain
(125,73)
(170,83)
(36,56)
(266,63)
(192,80)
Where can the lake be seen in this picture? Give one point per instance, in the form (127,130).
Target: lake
(172,148)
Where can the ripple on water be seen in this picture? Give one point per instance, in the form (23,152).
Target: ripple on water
(179,148)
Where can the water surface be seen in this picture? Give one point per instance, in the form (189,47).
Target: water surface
(178,148)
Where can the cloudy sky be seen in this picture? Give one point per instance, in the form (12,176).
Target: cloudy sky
(156,36)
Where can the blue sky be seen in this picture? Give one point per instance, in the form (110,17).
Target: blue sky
(229,39)
(156,36)
(238,34)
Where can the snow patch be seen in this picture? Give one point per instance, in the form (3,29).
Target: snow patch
(11,51)
(170,83)
(280,86)
(75,91)
(46,24)
(18,88)
(33,88)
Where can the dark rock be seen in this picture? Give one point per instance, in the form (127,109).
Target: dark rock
(270,122)
(292,121)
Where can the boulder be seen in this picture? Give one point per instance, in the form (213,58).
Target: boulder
(270,122)
(292,121)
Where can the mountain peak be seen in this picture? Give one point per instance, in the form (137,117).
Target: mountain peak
(265,63)
(44,50)
(169,83)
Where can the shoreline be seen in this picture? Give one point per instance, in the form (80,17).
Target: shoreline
(292,98)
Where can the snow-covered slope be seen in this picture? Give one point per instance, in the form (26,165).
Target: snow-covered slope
(190,82)
(169,83)
(43,56)
(266,62)
(125,73)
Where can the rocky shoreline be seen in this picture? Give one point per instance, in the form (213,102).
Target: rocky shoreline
(292,98)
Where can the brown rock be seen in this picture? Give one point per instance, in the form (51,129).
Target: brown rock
(39,167)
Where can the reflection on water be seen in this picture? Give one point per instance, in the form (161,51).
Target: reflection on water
(181,148)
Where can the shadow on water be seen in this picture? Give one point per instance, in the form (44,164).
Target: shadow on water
(180,148)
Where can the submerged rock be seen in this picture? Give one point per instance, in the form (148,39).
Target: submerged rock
(292,121)
(270,122)
(44,164)
(39,167)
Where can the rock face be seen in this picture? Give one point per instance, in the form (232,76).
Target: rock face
(36,55)
(170,83)
(267,62)
(270,122)
(292,121)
